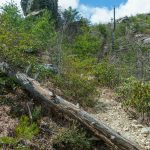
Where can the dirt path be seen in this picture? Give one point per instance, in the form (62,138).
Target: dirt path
(111,113)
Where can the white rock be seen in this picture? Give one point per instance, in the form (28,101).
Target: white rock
(126,129)
(147,143)
(143,141)
(147,41)
(145,130)
(106,119)
(136,126)
(145,135)
(138,35)
(139,126)
(147,147)
(135,122)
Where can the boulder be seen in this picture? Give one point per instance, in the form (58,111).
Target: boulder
(123,20)
(49,67)
(30,6)
(35,13)
(145,130)
(138,35)
(147,41)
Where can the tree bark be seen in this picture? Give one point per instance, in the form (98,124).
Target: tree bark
(99,129)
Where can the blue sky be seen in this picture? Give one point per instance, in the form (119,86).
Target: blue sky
(103,3)
(101,11)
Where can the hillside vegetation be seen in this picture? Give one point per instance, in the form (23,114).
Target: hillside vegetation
(82,60)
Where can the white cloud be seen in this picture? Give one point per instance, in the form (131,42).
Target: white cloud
(133,7)
(101,15)
(104,15)
(96,14)
(64,4)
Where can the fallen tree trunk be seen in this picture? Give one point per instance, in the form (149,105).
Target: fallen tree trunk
(100,130)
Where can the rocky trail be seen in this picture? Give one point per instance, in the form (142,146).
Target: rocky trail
(111,113)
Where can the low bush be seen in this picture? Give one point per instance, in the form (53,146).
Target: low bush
(36,114)
(135,94)
(14,39)
(77,89)
(125,89)
(87,44)
(7,82)
(106,74)
(71,139)
(23,132)
(21,39)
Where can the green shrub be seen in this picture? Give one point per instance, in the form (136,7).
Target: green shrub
(36,114)
(10,15)
(24,131)
(21,38)
(120,30)
(71,15)
(77,89)
(135,94)
(8,141)
(102,29)
(74,80)
(7,83)
(14,39)
(87,44)
(75,65)
(106,74)
(72,139)
(124,91)
(43,31)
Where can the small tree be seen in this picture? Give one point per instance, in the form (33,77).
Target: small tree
(43,31)
(70,15)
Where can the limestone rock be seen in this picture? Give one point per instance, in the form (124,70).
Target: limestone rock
(49,67)
(145,130)
(147,41)
(30,6)
(137,126)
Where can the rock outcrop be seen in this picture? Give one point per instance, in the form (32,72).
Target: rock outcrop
(147,41)
(30,6)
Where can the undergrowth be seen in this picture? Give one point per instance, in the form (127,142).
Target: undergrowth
(71,139)
(135,94)
(24,131)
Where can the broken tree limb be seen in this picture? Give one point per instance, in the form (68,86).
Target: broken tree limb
(103,132)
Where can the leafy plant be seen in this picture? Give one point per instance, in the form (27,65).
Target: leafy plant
(36,114)
(7,82)
(124,91)
(71,15)
(8,140)
(106,74)
(135,94)
(14,39)
(102,29)
(24,131)
(86,44)
(77,89)
(21,38)
(72,139)
(44,31)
